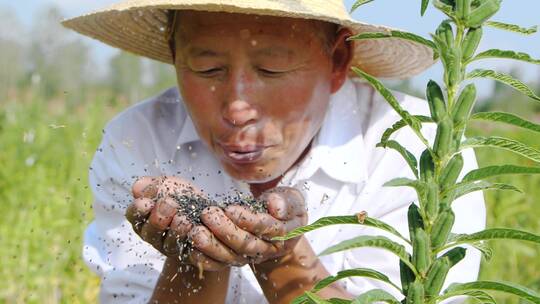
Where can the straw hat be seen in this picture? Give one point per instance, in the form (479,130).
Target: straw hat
(139,26)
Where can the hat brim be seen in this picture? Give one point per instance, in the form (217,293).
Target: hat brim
(139,27)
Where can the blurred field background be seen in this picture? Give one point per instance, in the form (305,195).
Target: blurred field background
(54,102)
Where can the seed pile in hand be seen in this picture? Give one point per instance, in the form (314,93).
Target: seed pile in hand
(191,204)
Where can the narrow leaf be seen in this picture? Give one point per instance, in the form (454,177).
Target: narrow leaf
(512,27)
(497,233)
(502,143)
(395,34)
(408,156)
(508,118)
(372,241)
(320,223)
(492,171)
(511,288)
(338,220)
(443,7)
(505,55)
(413,122)
(425,4)
(315,299)
(357,272)
(375,296)
(477,295)
(506,79)
(484,248)
(461,189)
(402,182)
(400,124)
(359,3)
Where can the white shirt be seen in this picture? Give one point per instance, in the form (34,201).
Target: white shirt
(342,175)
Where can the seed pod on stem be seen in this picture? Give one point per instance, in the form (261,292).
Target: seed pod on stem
(450,173)
(464,105)
(415,294)
(471,42)
(436,276)
(435,99)
(443,138)
(421,250)
(463,8)
(442,227)
(482,13)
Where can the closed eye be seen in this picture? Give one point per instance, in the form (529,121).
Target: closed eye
(210,72)
(271,73)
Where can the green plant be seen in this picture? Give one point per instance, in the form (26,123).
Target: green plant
(434,249)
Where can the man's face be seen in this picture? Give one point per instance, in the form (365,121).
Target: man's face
(257,88)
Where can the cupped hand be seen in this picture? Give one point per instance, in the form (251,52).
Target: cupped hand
(155,216)
(240,230)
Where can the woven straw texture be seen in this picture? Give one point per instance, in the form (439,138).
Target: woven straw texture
(138,26)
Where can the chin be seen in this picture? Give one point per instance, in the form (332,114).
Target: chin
(252,174)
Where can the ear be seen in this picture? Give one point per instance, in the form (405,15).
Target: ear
(341,55)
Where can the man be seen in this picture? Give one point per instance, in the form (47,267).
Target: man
(264,107)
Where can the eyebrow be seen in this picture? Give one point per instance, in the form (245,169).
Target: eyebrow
(272,51)
(202,52)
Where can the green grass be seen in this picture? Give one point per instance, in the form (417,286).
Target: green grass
(512,261)
(45,149)
(46,203)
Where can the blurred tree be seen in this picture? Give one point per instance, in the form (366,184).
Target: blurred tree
(59,61)
(12,43)
(162,76)
(126,76)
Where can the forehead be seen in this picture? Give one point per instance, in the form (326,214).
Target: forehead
(193,24)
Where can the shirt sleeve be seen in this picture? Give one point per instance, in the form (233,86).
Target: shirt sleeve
(470,217)
(128,267)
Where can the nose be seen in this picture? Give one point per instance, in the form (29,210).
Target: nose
(239,110)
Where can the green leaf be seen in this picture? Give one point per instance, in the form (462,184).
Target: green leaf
(372,241)
(339,301)
(413,122)
(395,34)
(400,124)
(506,79)
(338,220)
(443,7)
(408,156)
(508,118)
(357,272)
(359,3)
(315,299)
(496,233)
(320,223)
(375,296)
(492,171)
(303,299)
(512,27)
(484,248)
(402,182)
(425,4)
(505,55)
(511,288)
(477,295)
(502,143)
(461,189)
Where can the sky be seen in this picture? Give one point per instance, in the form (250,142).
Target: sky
(402,14)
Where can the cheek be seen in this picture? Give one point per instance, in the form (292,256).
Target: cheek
(200,100)
(303,107)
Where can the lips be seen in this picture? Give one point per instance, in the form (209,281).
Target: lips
(243,154)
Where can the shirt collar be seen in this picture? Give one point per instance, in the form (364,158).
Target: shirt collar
(338,148)
(187,131)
